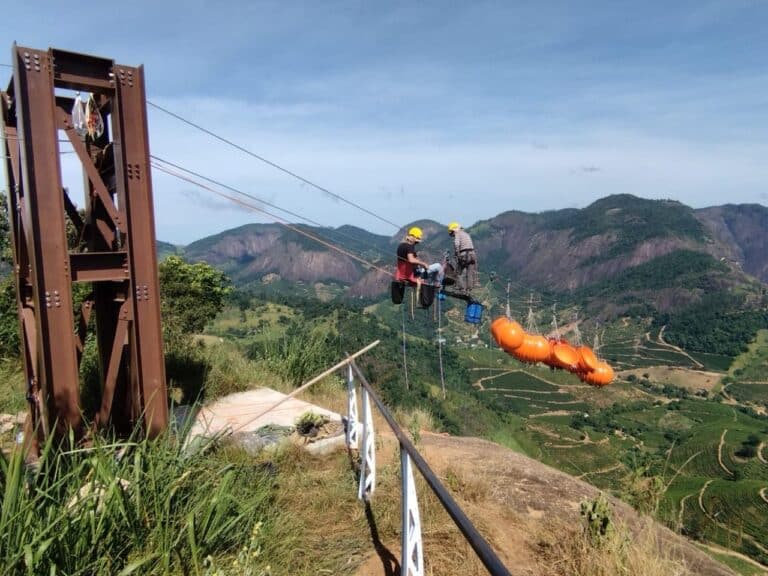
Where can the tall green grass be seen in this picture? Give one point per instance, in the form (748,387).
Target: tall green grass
(12,398)
(143,507)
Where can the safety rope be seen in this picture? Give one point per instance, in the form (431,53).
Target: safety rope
(405,359)
(440,345)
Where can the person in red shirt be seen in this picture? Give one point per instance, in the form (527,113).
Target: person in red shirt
(407,259)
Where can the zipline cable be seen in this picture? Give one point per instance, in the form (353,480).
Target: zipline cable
(257,199)
(280,220)
(273,164)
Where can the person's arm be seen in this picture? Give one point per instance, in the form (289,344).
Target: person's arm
(414,260)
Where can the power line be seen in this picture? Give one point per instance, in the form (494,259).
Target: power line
(274,165)
(257,199)
(280,220)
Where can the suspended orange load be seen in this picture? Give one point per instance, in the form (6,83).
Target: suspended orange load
(555,352)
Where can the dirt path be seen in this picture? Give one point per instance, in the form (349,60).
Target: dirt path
(701,497)
(554,435)
(682,510)
(727,398)
(552,402)
(479,383)
(601,471)
(760,453)
(677,348)
(521,390)
(727,552)
(720,453)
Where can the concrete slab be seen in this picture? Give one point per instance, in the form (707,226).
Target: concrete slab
(238,412)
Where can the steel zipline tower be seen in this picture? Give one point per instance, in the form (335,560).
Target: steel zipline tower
(111,248)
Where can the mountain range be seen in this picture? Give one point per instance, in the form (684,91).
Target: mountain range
(658,253)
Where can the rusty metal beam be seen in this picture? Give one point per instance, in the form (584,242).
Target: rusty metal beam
(81,72)
(134,190)
(119,343)
(115,249)
(45,235)
(99,266)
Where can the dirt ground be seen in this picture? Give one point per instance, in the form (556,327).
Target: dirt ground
(692,380)
(508,496)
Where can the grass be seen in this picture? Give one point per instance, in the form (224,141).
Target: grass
(752,364)
(125,508)
(569,552)
(12,398)
(739,565)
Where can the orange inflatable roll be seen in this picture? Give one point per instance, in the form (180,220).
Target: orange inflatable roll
(533,349)
(602,375)
(587,359)
(496,327)
(512,335)
(563,355)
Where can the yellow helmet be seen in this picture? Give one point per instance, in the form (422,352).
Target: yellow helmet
(415,232)
(453,226)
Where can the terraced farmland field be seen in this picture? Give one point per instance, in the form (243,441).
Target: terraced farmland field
(519,380)
(740,507)
(756,393)
(714,362)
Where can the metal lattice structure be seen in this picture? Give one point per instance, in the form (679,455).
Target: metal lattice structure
(110,246)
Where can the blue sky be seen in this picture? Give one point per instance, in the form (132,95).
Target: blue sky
(442,110)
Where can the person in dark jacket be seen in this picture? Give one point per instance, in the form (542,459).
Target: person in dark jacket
(466,258)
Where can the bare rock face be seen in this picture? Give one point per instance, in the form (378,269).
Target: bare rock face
(740,234)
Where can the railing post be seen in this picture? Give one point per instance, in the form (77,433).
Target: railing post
(368,459)
(352,440)
(412,557)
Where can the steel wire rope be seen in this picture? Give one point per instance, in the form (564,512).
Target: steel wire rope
(440,344)
(267,203)
(280,220)
(405,359)
(273,164)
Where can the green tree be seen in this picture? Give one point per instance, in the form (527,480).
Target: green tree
(5,230)
(9,319)
(191,295)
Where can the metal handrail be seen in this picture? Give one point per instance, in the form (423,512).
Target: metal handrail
(483,550)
